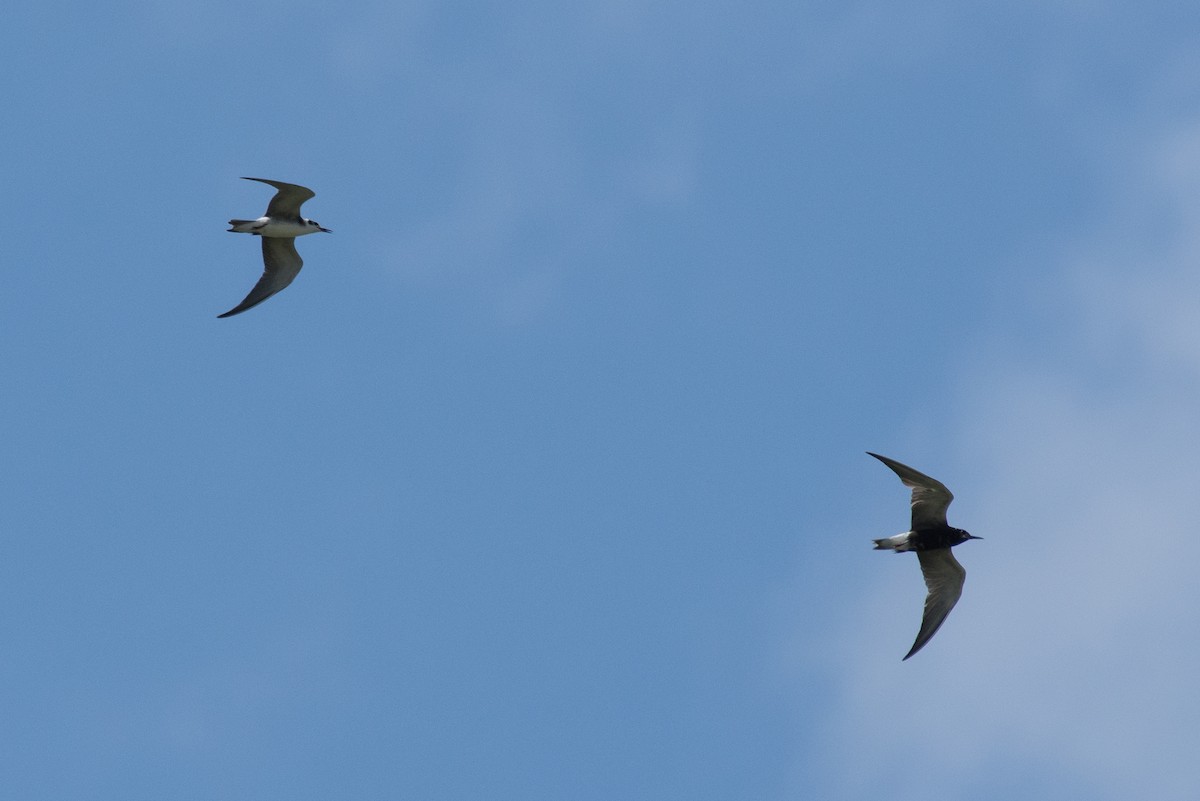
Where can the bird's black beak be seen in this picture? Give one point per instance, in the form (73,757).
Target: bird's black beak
(326,230)
(973,537)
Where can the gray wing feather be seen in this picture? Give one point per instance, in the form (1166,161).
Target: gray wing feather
(944,577)
(930,498)
(281,266)
(287,200)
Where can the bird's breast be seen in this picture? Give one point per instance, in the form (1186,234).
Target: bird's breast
(284,228)
(929,538)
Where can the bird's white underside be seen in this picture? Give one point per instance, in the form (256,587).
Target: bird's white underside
(265,226)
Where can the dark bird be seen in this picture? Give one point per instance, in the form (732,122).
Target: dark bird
(932,539)
(278,230)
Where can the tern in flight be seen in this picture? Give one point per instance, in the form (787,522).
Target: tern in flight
(278,230)
(932,539)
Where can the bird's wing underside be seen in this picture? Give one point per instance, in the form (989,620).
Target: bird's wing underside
(281,265)
(288,200)
(944,578)
(930,498)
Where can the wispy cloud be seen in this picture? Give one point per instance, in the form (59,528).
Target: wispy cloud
(1071,660)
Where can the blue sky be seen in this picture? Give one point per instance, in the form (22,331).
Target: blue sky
(545,479)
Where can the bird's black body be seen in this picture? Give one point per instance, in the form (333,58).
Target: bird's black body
(928,539)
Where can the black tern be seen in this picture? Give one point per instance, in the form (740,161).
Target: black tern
(278,230)
(932,539)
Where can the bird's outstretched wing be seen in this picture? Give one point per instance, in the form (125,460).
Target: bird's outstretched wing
(944,577)
(281,265)
(288,200)
(930,498)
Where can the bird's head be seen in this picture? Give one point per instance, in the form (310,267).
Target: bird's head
(314,224)
(964,536)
